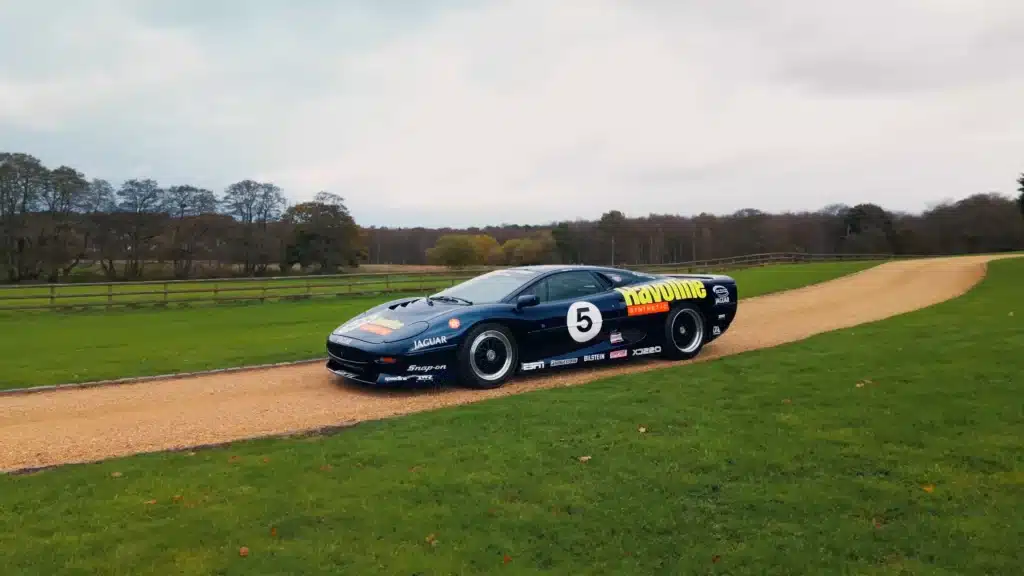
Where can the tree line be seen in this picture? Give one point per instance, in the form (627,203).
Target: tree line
(979,223)
(58,225)
(55,224)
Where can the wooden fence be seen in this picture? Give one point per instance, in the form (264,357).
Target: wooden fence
(282,288)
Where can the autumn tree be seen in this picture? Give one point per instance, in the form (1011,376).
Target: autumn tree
(322,232)
(193,217)
(459,250)
(537,249)
(254,205)
(22,181)
(1020,198)
(61,239)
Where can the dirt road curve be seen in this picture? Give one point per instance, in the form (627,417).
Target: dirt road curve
(96,423)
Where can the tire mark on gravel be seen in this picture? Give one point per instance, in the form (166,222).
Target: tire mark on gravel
(89,424)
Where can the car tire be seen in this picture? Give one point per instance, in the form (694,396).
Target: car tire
(487,357)
(685,332)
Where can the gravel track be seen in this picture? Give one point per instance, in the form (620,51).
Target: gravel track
(89,424)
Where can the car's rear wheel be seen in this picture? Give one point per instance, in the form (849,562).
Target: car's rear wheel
(685,330)
(487,357)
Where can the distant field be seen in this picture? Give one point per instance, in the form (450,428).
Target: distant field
(888,448)
(38,348)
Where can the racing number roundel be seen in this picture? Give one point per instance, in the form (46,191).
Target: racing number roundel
(584,321)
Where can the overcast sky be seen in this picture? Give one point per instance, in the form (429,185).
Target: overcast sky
(475,112)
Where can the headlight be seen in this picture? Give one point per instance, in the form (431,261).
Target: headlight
(338,339)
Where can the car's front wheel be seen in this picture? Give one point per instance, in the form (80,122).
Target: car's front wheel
(487,356)
(684,333)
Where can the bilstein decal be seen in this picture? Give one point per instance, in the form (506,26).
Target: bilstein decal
(654,297)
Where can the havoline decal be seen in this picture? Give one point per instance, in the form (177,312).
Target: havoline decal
(654,297)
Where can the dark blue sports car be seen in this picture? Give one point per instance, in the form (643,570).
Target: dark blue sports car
(481,332)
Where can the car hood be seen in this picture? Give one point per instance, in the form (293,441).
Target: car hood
(396,321)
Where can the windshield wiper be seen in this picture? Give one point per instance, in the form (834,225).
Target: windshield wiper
(454,299)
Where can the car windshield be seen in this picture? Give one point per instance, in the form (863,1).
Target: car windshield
(489,287)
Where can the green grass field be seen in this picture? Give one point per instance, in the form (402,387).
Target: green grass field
(41,348)
(889,448)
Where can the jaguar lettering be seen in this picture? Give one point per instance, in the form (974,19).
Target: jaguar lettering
(428,342)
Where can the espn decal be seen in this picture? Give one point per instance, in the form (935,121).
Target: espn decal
(654,297)
(527,366)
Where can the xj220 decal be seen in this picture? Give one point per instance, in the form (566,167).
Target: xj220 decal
(654,297)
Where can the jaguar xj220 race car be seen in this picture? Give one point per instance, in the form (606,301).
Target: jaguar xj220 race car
(532,318)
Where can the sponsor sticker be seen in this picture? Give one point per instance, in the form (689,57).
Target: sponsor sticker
(716,331)
(413,377)
(593,357)
(564,362)
(428,342)
(616,338)
(343,340)
(654,297)
(376,329)
(346,374)
(721,295)
(721,316)
(418,368)
(646,351)
(373,323)
(454,323)
(618,353)
(527,366)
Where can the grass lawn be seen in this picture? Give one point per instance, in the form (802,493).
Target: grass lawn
(42,348)
(889,448)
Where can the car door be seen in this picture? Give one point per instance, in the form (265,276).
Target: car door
(577,312)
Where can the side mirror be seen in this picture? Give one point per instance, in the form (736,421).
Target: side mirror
(527,300)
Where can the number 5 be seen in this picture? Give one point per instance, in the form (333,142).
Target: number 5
(583,315)
(583,321)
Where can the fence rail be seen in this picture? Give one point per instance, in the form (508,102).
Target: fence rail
(278,288)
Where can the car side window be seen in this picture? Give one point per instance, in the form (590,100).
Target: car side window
(619,278)
(571,285)
(540,289)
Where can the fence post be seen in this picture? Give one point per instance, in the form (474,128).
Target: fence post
(53,294)
(110,296)
(387,282)
(165,292)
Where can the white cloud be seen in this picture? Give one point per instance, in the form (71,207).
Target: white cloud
(532,110)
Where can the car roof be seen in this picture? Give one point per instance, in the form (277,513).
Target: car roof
(545,268)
